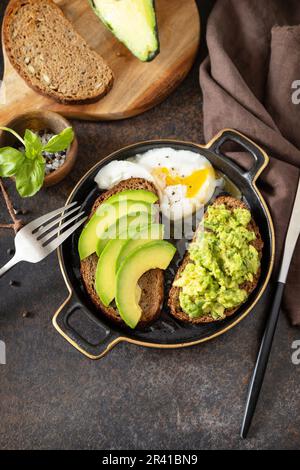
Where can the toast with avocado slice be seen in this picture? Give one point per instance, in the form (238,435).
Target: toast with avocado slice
(151,283)
(188,292)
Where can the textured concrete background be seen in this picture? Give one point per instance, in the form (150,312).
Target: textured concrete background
(51,397)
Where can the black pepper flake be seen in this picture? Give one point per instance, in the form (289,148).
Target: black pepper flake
(13,283)
(26,314)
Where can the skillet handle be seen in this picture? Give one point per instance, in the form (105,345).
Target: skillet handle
(261,159)
(93,349)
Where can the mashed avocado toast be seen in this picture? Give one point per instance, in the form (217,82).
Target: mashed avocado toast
(222,266)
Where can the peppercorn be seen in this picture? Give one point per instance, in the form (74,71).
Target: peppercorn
(26,314)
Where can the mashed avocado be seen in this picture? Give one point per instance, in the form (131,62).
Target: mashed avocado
(222,259)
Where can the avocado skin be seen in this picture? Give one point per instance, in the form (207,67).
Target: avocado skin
(152,55)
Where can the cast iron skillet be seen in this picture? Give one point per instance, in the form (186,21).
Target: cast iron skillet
(78,321)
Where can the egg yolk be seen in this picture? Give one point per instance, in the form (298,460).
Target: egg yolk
(193,182)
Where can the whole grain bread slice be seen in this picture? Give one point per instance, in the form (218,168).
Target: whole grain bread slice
(173,302)
(151,283)
(51,56)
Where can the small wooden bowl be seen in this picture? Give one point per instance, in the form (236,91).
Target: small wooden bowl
(38,121)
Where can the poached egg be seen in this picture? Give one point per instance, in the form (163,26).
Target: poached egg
(185,180)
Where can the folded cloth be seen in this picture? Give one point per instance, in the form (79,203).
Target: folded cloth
(249,83)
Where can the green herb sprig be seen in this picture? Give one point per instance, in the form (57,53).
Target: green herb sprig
(28,166)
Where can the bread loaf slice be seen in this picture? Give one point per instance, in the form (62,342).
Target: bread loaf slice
(151,283)
(174,303)
(50,56)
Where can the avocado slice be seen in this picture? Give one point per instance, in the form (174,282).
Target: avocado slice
(124,228)
(109,259)
(133,22)
(156,254)
(105,284)
(133,195)
(105,279)
(104,217)
(149,233)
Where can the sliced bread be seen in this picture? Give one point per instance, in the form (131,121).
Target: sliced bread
(151,283)
(51,56)
(174,303)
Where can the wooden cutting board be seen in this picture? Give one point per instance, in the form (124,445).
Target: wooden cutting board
(138,86)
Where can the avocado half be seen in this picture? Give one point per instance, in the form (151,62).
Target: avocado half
(133,22)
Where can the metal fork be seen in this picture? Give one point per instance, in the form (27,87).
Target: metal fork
(35,241)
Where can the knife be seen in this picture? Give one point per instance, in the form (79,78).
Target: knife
(267,340)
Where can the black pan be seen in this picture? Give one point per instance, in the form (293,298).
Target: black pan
(78,321)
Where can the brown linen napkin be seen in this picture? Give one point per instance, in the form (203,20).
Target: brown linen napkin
(247,78)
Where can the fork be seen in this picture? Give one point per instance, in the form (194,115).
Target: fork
(35,241)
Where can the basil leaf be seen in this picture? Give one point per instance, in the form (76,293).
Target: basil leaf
(10,161)
(30,177)
(41,159)
(60,142)
(33,145)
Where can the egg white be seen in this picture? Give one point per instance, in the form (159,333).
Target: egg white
(120,170)
(184,162)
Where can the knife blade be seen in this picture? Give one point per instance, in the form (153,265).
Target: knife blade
(291,238)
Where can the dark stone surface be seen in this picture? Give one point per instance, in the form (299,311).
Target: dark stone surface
(51,397)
